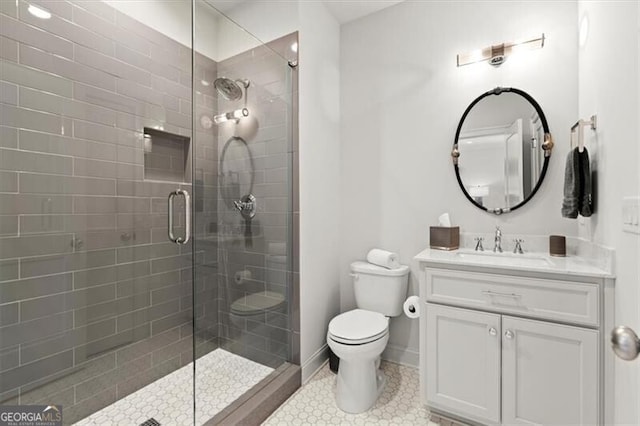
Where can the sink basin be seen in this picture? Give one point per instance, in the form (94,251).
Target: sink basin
(504,259)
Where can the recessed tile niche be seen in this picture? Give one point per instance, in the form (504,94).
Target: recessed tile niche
(166,156)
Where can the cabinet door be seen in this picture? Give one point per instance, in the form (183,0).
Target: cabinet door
(463,362)
(549,373)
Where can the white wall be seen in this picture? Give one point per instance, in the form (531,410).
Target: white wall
(170,17)
(401,98)
(610,89)
(216,36)
(265,19)
(319,179)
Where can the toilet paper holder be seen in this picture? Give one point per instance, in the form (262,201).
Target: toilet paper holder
(411,307)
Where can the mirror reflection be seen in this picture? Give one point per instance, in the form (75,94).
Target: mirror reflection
(501,156)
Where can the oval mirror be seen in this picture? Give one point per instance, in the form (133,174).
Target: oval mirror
(501,150)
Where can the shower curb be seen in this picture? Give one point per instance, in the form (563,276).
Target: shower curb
(261,400)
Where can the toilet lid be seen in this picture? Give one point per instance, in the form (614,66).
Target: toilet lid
(257,302)
(358,326)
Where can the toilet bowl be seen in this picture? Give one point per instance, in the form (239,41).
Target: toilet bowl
(358,337)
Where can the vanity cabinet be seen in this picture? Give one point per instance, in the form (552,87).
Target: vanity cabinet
(506,349)
(549,373)
(463,361)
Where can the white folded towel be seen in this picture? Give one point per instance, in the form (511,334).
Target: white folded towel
(383,258)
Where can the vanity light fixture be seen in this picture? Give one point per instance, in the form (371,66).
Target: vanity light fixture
(38,12)
(497,54)
(233,115)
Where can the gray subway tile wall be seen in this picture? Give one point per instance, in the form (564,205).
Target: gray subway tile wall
(94,301)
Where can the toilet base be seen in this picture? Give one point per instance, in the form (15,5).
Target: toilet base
(358,385)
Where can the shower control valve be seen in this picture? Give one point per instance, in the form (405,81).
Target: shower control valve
(241,205)
(246,206)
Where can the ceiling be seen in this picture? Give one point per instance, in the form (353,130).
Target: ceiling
(349,10)
(343,10)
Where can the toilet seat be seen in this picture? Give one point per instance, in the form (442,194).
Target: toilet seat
(257,303)
(358,327)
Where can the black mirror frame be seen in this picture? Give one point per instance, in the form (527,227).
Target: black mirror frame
(547,147)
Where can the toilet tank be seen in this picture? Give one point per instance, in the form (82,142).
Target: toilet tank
(380,289)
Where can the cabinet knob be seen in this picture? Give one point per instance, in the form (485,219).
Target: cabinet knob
(625,342)
(493,331)
(508,334)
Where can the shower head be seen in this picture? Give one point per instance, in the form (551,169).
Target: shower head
(230,89)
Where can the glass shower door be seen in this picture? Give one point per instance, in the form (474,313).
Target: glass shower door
(107,122)
(95,301)
(243,222)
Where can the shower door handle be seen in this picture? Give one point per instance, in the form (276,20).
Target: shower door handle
(187,218)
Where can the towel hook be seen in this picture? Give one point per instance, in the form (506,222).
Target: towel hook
(592,122)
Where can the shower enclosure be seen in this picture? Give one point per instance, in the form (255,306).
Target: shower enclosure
(146,209)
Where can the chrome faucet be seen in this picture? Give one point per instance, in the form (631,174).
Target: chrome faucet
(479,243)
(518,247)
(497,247)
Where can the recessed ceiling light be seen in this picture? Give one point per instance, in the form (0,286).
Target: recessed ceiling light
(38,12)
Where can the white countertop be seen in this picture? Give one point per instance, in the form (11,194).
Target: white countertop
(530,262)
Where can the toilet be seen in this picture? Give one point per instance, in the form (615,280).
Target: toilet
(359,336)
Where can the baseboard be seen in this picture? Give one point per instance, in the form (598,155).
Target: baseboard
(402,356)
(314,363)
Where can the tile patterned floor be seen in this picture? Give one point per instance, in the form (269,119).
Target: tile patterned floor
(221,378)
(314,403)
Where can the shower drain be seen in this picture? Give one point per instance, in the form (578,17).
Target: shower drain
(150,422)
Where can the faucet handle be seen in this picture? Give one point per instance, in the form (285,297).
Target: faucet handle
(518,246)
(479,243)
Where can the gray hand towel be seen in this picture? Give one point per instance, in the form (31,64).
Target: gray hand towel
(585,199)
(570,203)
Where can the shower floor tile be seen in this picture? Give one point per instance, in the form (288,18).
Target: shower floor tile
(314,403)
(221,378)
